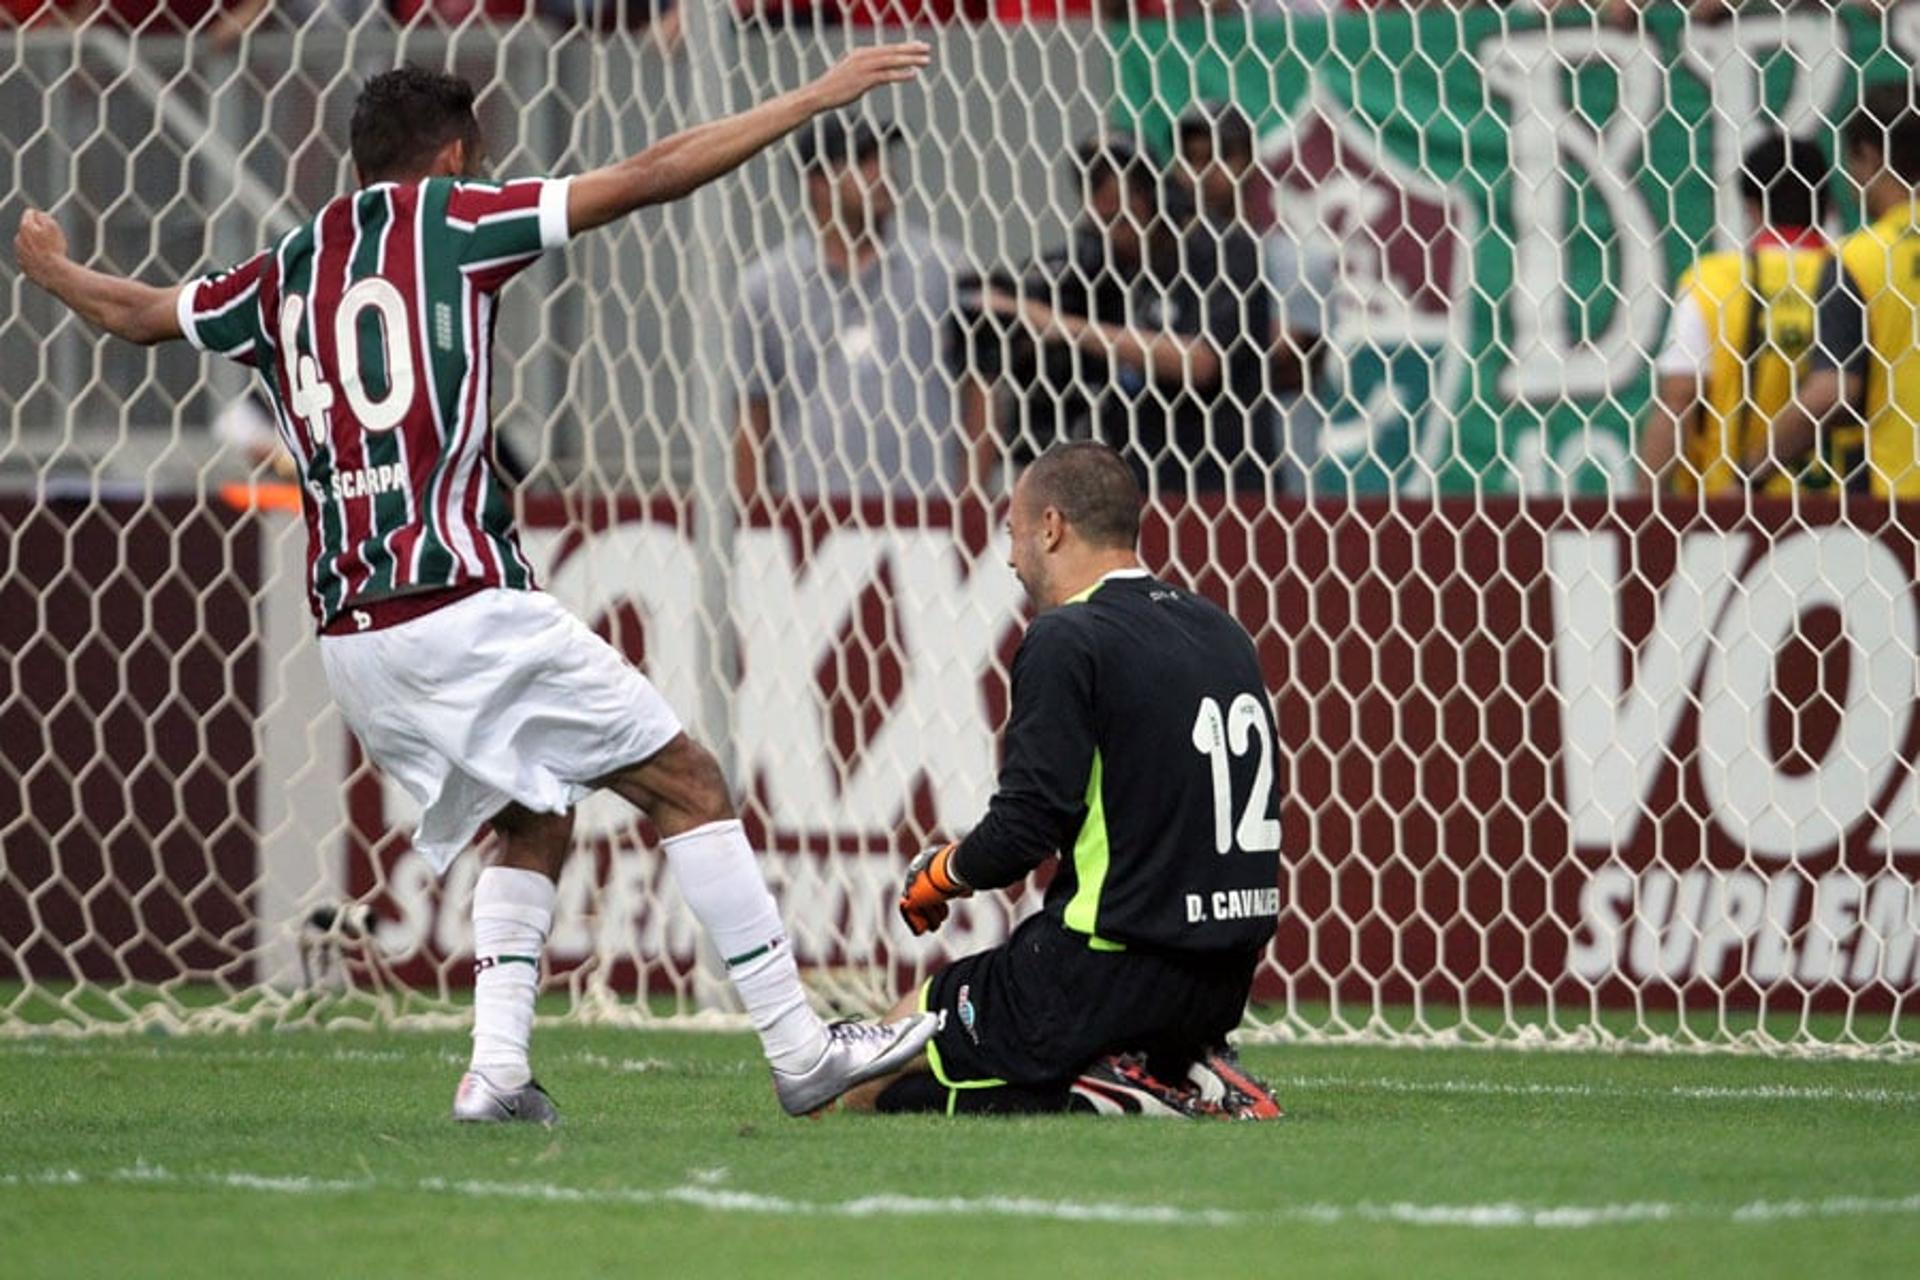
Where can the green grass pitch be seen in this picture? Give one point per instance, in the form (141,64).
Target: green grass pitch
(329,1154)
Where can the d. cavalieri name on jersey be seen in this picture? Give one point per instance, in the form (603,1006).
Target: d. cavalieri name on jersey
(1234,904)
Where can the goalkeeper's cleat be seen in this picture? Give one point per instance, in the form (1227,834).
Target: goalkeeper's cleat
(479,1100)
(1227,1091)
(1121,1085)
(856,1052)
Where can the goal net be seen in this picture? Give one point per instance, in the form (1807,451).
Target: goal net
(1568,756)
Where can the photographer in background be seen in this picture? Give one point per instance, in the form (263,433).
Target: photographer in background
(1218,164)
(1148,329)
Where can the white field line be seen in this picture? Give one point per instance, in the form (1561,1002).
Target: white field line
(1314,1083)
(182,1053)
(1679,1092)
(704,1195)
(338,1053)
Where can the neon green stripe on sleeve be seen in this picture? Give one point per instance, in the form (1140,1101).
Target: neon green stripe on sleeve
(1090,858)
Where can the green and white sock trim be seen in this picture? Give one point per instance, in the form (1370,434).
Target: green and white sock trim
(763,950)
(483,963)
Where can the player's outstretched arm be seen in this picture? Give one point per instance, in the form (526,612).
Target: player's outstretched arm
(127,309)
(694,157)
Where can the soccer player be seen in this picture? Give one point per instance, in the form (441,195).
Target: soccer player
(1139,747)
(1862,392)
(372,327)
(1742,323)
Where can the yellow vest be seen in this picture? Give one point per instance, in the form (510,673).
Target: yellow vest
(1884,261)
(1748,381)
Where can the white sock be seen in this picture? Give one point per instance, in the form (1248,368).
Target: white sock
(512,915)
(721,882)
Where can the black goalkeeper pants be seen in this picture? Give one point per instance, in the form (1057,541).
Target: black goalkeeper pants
(1025,1017)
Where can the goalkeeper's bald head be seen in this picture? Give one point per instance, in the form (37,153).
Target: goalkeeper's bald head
(1092,488)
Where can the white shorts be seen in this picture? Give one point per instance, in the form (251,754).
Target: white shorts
(503,697)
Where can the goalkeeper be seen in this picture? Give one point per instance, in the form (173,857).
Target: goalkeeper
(1139,747)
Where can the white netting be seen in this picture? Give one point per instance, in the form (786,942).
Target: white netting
(1563,765)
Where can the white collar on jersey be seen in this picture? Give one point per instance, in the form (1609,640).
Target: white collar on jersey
(1115,574)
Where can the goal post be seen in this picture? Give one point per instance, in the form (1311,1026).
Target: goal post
(1562,763)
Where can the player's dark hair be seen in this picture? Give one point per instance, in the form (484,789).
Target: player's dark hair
(1787,178)
(1888,122)
(405,115)
(1090,485)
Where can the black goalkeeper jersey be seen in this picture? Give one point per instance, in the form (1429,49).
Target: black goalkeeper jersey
(1140,747)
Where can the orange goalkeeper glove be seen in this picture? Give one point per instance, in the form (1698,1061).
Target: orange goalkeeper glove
(930,886)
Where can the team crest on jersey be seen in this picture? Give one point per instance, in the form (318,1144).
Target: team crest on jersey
(964,1005)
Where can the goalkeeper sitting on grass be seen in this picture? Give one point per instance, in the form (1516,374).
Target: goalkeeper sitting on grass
(1140,749)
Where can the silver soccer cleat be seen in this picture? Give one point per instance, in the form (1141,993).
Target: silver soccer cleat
(856,1052)
(480,1101)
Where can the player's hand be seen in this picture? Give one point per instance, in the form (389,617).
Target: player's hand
(39,244)
(930,886)
(866,69)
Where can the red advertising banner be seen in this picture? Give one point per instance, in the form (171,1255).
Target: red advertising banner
(1589,749)
(129,680)
(1578,751)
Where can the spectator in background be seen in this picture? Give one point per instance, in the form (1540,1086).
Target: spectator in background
(221,21)
(1147,329)
(660,18)
(1861,395)
(243,16)
(841,343)
(225,21)
(1742,323)
(1217,154)
(1016,11)
(1087,276)
(859,13)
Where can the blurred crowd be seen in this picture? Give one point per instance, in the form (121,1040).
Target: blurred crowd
(1178,322)
(1190,316)
(226,20)
(1186,321)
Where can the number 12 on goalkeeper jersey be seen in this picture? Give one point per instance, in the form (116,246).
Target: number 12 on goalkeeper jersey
(1242,727)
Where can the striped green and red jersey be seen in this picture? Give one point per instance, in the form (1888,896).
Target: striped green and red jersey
(372,326)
